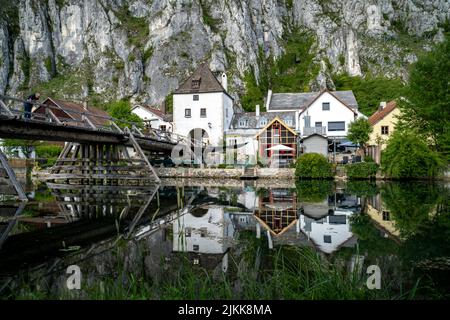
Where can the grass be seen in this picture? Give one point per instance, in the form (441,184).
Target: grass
(254,273)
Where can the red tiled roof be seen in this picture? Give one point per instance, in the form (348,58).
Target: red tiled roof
(96,116)
(380,114)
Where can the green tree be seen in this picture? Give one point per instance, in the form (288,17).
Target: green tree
(408,156)
(121,110)
(12,146)
(426,106)
(359,132)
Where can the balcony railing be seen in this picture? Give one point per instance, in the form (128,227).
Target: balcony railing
(312,130)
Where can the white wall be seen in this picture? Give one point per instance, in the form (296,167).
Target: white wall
(215,104)
(219,228)
(244,136)
(338,112)
(339,232)
(145,114)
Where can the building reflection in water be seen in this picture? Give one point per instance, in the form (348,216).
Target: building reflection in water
(206,232)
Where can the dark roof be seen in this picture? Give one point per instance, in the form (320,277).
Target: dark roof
(254,122)
(96,116)
(314,134)
(380,114)
(208,82)
(296,101)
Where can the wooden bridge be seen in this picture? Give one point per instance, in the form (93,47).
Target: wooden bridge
(97,150)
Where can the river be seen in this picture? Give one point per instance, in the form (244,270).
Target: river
(207,239)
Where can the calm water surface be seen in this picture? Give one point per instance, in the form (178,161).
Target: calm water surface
(216,228)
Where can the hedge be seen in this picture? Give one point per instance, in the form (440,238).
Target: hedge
(313,166)
(362,170)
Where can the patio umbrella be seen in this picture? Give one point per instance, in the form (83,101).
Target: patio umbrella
(280,147)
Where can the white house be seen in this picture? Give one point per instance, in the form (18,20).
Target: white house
(328,113)
(209,231)
(154,118)
(202,107)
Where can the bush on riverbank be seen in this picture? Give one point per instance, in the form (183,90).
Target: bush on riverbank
(362,170)
(313,166)
(409,157)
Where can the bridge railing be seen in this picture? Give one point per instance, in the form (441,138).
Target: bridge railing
(87,120)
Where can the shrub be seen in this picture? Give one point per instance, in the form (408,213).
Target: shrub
(313,166)
(407,156)
(48,151)
(362,170)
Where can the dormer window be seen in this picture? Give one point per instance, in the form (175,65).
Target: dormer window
(196,83)
(263,123)
(242,123)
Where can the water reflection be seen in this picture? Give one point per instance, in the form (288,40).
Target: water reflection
(205,224)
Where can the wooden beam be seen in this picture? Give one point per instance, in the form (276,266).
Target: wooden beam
(12,177)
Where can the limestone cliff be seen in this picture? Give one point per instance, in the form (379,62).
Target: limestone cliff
(142,49)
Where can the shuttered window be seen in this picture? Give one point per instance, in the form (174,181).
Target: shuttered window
(336,126)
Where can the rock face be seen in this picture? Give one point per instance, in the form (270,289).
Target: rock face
(142,49)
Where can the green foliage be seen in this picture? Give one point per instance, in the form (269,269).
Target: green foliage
(314,191)
(26,146)
(313,166)
(362,170)
(169,103)
(370,91)
(292,72)
(207,19)
(359,131)
(408,156)
(136,28)
(361,188)
(148,53)
(121,110)
(48,151)
(62,85)
(411,204)
(426,106)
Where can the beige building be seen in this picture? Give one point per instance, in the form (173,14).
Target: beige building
(383,122)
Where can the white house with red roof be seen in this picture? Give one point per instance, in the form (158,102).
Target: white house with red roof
(154,118)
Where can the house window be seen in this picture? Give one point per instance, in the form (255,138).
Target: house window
(226,112)
(307,121)
(203,232)
(196,97)
(203,112)
(196,84)
(162,128)
(386,216)
(336,126)
(326,106)
(242,123)
(263,123)
(318,124)
(327,239)
(196,247)
(385,130)
(187,113)
(187,232)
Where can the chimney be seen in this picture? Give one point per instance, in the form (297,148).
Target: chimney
(257,110)
(269,98)
(224,81)
(382,105)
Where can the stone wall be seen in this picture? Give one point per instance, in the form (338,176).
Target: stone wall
(267,173)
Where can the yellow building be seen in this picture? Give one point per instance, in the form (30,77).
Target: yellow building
(383,122)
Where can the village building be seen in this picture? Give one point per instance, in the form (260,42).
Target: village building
(248,129)
(154,118)
(315,143)
(202,107)
(328,113)
(74,113)
(383,122)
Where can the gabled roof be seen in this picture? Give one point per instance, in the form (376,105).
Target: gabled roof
(208,82)
(157,112)
(314,134)
(332,94)
(380,114)
(271,122)
(253,121)
(97,116)
(297,101)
